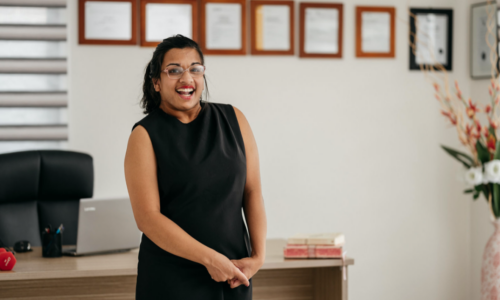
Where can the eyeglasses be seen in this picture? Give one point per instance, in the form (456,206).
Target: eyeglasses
(176,72)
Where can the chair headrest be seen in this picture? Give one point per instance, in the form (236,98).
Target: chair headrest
(45,175)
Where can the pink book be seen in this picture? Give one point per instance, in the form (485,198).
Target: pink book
(311,251)
(327,251)
(295,251)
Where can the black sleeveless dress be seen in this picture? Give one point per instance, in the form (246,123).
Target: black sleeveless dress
(201,168)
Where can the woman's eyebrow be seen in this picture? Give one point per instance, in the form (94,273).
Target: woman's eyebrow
(177,64)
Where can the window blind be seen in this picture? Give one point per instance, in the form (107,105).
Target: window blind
(33,68)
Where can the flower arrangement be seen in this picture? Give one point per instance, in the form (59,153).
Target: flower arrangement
(477,132)
(483,165)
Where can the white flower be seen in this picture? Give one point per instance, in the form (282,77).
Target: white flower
(485,179)
(474,176)
(492,171)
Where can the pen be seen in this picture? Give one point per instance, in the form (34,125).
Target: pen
(53,238)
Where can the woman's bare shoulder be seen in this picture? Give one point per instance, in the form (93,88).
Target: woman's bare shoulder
(139,146)
(242,120)
(139,135)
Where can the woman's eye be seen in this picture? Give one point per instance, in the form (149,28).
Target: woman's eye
(196,70)
(174,71)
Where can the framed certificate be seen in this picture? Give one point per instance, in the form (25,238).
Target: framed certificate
(272,27)
(375,31)
(223,27)
(161,19)
(483,15)
(109,22)
(320,33)
(431,38)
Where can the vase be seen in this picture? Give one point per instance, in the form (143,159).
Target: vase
(490,271)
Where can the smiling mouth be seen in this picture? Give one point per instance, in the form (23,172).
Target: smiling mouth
(185,91)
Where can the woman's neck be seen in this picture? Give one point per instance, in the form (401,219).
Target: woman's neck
(184,116)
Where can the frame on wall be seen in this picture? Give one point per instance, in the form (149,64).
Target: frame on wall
(439,28)
(257,34)
(480,65)
(375,41)
(498,38)
(99,29)
(303,52)
(207,49)
(194,20)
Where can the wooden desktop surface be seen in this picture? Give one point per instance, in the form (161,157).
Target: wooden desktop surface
(31,265)
(104,276)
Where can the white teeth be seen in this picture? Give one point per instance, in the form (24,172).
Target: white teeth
(185,90)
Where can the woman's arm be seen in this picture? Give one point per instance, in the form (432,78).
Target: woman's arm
(142,184)
(254,209)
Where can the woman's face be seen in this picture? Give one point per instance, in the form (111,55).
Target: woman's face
(184,93)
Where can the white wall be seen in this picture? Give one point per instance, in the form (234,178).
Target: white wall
(347,145)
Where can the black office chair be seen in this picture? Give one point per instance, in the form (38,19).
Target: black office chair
(42,187)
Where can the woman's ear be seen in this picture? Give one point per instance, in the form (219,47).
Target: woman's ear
(156,84)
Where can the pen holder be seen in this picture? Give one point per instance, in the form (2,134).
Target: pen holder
(51,244)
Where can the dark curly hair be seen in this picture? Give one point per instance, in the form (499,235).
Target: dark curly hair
(151,99)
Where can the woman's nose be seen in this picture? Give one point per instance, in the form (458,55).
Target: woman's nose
(186,77)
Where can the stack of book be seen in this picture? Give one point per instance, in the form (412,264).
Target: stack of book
(323,245)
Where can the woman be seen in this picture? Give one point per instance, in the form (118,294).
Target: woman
(190,167)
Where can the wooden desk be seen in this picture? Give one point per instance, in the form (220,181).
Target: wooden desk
(113,277)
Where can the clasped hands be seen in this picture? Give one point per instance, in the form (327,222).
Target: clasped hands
(235,272)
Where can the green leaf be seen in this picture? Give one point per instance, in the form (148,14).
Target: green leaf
(477,191)
(496,199)
(492,132)
(486,191)
(482,153)
(465,159)
(469,191)
(497,151)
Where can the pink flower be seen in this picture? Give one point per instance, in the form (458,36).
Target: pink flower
(487,109)
(436,86)
(478,129)
(490,144)
(472,109)
(468,129)
(450,117)
(493,124)
(486,132)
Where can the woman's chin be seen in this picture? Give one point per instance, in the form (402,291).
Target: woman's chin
(187,104)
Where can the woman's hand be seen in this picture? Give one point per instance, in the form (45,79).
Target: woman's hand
(222,269)
(249,266)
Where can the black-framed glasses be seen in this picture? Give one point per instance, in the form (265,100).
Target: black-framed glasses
(176,72)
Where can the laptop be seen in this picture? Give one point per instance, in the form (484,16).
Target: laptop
(105,225)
